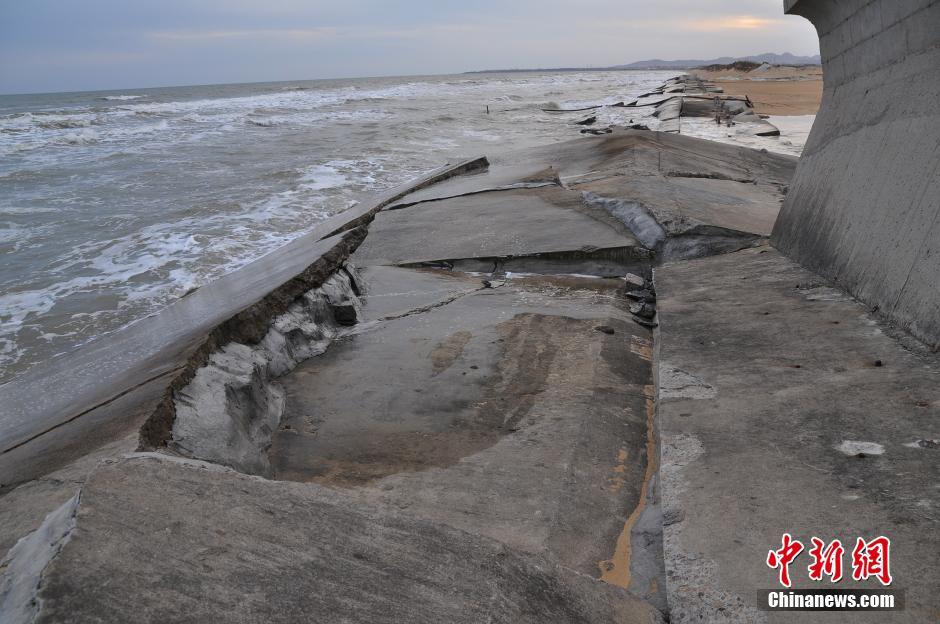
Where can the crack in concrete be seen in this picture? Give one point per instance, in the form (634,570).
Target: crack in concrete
(708,176)
(494,189)
(91,409)
(427,308)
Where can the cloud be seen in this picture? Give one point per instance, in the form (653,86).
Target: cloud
(55,45)
(205,36)
(730,22)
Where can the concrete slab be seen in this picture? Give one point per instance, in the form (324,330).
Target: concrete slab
(718,197)
(522,222)
(172,541)
(114,383)
(520,413)
(765,371)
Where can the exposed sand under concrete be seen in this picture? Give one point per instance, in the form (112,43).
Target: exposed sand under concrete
(776,91)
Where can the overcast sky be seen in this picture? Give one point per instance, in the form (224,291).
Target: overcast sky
(68,45)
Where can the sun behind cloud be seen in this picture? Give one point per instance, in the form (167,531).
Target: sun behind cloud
(729,22)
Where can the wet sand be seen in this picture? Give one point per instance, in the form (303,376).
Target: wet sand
(777,91)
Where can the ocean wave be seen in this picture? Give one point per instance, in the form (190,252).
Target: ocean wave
(120,98)
(85,137)
(65,123)
(263,123)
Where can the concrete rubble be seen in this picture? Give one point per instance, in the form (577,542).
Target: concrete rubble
(569,384)
(688,96)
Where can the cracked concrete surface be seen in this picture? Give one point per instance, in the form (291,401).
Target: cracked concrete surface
(515,407)
(483,442)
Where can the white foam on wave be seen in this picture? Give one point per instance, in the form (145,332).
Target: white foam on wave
(121,98)
(319,177)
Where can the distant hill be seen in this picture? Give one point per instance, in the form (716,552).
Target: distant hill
(774,59)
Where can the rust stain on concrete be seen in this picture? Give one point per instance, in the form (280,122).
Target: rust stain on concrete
(620,468)
(616,570)
(641,347)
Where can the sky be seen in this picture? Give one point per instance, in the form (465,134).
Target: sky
(73,45)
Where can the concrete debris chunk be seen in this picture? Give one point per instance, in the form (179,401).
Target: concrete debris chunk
(634,280)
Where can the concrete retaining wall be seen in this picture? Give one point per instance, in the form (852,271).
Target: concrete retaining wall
(864,206)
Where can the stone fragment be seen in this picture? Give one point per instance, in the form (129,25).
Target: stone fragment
(345,314)
(643,310)
(634,280)
(642,294)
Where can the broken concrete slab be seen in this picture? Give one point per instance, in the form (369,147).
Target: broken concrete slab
(689,96)
(753,423)
(507,224)
(244,549)
(21,570)
(63,408)
(705,196)
(505,412)
(119,379)
(233,404)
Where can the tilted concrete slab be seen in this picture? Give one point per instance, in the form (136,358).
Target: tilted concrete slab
(163,540)
(111,384)
(521,222)
(765,370)
(691,187)
(66,407)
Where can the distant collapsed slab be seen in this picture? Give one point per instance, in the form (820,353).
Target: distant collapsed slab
(685,183)
(163,541)
(764,372)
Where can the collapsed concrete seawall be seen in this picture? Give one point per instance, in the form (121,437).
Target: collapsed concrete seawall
(864,206)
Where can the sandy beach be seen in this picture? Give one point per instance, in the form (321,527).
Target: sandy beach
(776,91)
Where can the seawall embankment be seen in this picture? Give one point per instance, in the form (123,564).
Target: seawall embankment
(864,206)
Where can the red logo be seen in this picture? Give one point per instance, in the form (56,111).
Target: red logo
(826,561)
(869,559)
(782,558)
(872,559)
